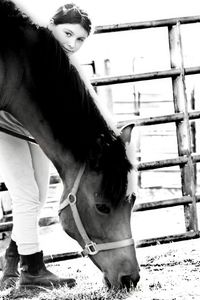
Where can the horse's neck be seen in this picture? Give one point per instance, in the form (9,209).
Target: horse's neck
(27,113)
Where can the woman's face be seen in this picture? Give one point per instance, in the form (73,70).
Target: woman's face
(70,36)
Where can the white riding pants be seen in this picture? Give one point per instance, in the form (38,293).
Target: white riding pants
(25,169)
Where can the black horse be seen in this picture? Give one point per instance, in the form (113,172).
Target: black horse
(42,88)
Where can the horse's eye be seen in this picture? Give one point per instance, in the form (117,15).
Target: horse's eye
(103,208)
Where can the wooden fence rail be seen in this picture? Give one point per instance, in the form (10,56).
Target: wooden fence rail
(108,80)
(160,119)
(146,24)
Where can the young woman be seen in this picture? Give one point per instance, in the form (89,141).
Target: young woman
(25,170)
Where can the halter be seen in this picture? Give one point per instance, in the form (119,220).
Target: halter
(91,248)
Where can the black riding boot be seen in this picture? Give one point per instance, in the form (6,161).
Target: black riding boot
(34,273)
(10,269)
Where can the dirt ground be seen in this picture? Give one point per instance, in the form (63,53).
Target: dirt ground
(168,272)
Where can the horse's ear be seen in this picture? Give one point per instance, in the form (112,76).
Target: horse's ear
(126,132)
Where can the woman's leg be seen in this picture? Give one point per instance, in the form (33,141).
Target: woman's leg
(41,166)
(17,170)
(24,170)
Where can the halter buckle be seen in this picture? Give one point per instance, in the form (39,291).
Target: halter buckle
(90,249)
(71,198)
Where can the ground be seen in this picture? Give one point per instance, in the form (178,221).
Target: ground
(168,272)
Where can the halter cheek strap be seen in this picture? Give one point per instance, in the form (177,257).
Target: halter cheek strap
(74,190)
(91,248)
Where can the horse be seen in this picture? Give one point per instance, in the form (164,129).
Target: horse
(43,89)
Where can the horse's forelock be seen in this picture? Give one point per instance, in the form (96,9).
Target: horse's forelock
(114,165)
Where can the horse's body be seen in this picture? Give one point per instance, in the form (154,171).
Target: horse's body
(42,89)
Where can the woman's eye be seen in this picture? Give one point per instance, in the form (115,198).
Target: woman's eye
(81,40)
(67,34)
(103,209)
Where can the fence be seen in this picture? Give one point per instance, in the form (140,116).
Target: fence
(181,117)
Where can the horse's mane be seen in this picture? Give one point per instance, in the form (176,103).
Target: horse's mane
(68,106)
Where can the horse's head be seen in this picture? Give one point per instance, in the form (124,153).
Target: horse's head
(103,230)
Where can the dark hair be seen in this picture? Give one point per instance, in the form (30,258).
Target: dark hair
(71,13)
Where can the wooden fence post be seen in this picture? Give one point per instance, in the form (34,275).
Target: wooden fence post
(183,127)
(107,70)
(193,134)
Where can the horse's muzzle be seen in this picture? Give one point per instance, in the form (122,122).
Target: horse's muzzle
(125,281)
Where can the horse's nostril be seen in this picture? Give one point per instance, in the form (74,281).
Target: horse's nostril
(129,282)
(126,282)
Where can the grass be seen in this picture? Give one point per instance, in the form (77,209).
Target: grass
(65,294)
(168,272)
(89,285)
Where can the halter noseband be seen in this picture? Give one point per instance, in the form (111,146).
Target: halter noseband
(91,248)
